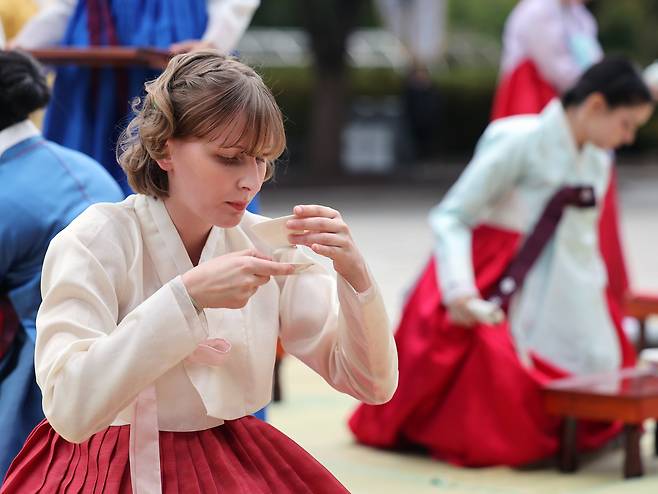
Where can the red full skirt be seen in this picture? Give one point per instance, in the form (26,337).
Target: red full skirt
(245,456)
(463,394)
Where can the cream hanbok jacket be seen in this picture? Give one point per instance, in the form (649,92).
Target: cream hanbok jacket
(116,320)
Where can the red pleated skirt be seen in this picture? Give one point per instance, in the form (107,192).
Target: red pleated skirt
(245,456)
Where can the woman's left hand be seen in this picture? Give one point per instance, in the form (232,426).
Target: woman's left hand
(327,234)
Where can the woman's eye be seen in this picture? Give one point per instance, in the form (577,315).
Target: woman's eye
(229,160)
(261,161)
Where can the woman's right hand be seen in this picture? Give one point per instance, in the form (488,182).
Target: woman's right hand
(230,280)
(459,312)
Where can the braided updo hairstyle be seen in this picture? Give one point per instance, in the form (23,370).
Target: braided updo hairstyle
(23,87)
(199,95)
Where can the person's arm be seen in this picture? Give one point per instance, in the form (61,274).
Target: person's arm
(91,362)
(21,238)
(227,22)
(47,27)
(343,335)
(492,173)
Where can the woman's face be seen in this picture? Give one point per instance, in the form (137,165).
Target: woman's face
(611,128)
(213,182)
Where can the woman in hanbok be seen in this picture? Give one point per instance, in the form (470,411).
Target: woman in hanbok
(547,45)
(158,330)
(519,229)
(45,186)
(90,107)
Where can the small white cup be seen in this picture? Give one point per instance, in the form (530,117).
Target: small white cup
(274,232)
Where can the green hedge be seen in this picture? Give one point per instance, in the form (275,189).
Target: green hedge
(466,97)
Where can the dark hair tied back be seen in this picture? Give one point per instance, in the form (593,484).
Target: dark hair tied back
(23,87)
(616,78)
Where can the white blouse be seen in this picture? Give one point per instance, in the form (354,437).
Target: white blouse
(561,311)
(116,319)
(559,37)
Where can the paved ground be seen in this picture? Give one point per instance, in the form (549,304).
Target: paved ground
(388,223)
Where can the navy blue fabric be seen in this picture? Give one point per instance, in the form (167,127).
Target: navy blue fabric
(87,115)
(45,186)
(20,399)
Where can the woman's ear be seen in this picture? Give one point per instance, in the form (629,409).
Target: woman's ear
(596,103)
(165,163)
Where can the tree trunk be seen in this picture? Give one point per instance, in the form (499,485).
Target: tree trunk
(328,23)
(327,120)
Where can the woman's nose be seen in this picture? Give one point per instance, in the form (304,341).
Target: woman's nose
(250,178)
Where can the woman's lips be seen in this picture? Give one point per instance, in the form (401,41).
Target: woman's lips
(238,206)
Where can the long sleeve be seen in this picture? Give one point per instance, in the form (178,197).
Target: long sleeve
(227,22)
(89,364)
(493,171)
(12,239)
(343,335)
(21,238)
(47,27)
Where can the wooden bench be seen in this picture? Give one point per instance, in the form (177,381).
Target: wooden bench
(629,396)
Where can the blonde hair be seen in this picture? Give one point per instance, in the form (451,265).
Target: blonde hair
(200,95)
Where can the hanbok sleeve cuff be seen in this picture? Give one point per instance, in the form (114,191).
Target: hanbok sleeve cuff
(363,297)
(457,291)
(196,320)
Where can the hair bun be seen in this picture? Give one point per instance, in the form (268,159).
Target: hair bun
(23,87)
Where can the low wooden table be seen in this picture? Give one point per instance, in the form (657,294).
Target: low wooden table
(629,396)
(104,56)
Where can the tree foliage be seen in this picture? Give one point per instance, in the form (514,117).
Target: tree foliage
(629,27)
(482,16)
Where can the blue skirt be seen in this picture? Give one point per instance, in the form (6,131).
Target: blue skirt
(90,107)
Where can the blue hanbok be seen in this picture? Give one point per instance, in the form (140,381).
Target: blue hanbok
(90,106)
(45,186)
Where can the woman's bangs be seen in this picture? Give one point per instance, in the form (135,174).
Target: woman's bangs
(255,126)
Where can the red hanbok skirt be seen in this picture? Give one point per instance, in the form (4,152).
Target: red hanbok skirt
(463,394)
(245,456)
(521,91)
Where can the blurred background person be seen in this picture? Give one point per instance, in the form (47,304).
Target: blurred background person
(45,186)
(13,15)
(90,106)
(547,45)
(528,202)
(420,25)
(421,103)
